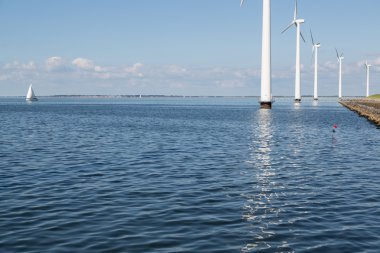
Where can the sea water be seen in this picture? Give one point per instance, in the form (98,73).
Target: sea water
(187,175)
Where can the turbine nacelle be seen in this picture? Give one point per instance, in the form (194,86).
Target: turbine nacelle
(367,65)
(296,21)
(315,45)
(340,57)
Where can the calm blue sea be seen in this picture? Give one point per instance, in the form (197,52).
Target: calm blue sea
(167,175)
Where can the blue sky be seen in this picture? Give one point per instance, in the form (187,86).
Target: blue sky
(180,47)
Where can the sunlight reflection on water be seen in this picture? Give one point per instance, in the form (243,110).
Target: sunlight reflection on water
(261,208)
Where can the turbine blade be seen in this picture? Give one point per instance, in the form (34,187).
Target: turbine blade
(341,55)
(337,54)
(287,28)
(312,38)
(302,37)
(295,10)
(313,56)
(241,3)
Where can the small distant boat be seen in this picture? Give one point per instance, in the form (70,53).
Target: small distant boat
(30,96)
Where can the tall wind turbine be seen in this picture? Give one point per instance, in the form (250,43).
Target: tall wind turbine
(297,22)
(367,67)
(266,76)
(315,55)
(340,60)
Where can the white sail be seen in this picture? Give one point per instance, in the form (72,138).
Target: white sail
(30,96)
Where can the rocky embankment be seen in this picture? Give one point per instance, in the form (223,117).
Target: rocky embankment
(369,108)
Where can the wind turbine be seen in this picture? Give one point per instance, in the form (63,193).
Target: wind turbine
(297,23)
(367,67)
(315,55)
(340,60)
(266,68)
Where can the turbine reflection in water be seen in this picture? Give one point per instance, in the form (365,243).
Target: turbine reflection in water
(262,208)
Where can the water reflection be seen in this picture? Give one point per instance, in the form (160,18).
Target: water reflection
(297,105)
(262,210)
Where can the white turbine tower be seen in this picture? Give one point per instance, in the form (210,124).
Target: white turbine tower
(315,55)
(367,67)
(266,76)
(340,60)
(297,23)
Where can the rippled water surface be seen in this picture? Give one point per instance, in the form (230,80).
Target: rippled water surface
(187,175)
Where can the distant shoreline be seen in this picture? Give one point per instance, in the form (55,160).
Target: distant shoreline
(165,96)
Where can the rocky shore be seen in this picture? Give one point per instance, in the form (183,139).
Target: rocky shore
(368,108)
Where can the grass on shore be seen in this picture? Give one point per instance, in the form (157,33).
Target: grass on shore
(377,96)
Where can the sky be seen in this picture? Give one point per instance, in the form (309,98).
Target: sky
(181,47)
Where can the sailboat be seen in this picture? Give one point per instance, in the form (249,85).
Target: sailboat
(30,96)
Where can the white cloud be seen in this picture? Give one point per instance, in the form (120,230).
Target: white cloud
(230,84)
(20,66)
(176,70)
(328,66)
(55,63)
(135,69)
(282,74)
(169,79)
(19,71)
(376,61)
(85,64)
